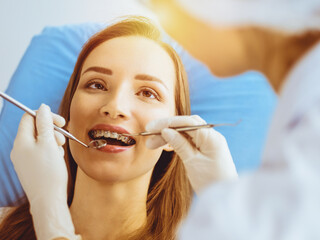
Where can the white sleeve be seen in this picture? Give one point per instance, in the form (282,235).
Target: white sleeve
(281,199)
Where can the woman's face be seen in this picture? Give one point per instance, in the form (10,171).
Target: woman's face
(125,83)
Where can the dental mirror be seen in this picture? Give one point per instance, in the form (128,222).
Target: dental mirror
(99,143)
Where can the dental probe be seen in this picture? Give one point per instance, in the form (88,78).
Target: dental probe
(184,128)
(92,144)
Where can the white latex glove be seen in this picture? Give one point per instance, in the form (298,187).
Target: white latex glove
(37,157)
(206,157)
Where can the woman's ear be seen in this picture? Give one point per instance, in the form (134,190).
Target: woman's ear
(168,148)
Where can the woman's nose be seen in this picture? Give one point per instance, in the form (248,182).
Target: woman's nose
(116,106)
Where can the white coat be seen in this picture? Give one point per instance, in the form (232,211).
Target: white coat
(282,199)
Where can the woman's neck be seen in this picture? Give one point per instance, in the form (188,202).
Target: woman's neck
(108,211)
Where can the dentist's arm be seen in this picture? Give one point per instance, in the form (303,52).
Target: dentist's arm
(206,157)
(37,157)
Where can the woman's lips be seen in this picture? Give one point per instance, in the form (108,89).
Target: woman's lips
(114,148)
(110,128)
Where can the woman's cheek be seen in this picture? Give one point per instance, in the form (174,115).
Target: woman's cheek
(82,105)
(160,110)
(79,111)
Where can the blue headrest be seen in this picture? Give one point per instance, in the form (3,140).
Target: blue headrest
(47,64)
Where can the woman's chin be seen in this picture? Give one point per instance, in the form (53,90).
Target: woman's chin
(105,174)
(110,175)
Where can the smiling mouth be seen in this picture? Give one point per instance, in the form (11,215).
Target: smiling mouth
(112,138)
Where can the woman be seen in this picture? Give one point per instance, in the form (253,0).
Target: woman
(125,77)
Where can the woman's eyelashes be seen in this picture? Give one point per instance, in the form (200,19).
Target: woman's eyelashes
(96,85)
(149,93)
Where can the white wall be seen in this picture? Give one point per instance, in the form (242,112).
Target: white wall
(20,20)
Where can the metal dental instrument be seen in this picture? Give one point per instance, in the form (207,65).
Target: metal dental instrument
(184,128)
(93,144)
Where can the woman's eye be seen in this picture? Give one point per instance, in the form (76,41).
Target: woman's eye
(148,93)
(96,85)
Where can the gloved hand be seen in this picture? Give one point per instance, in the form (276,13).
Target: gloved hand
(37,157)
(206,155)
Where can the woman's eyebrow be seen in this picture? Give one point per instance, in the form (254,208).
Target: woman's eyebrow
(99,70)
(145,77)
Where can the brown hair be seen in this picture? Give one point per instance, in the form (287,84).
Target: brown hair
(170,193)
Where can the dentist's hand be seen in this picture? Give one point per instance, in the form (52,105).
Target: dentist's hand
(37,157)
(206,155)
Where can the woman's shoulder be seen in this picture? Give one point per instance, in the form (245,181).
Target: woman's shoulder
(4,211)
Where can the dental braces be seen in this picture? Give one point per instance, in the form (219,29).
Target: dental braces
(114,135)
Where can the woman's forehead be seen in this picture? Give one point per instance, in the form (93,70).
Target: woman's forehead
(132,54)
(136,50)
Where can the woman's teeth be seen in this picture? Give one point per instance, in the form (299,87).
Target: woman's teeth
(113,135)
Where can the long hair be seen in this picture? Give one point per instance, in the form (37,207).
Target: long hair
(170,192)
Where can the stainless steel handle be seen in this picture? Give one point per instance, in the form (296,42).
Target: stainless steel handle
(33,113)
